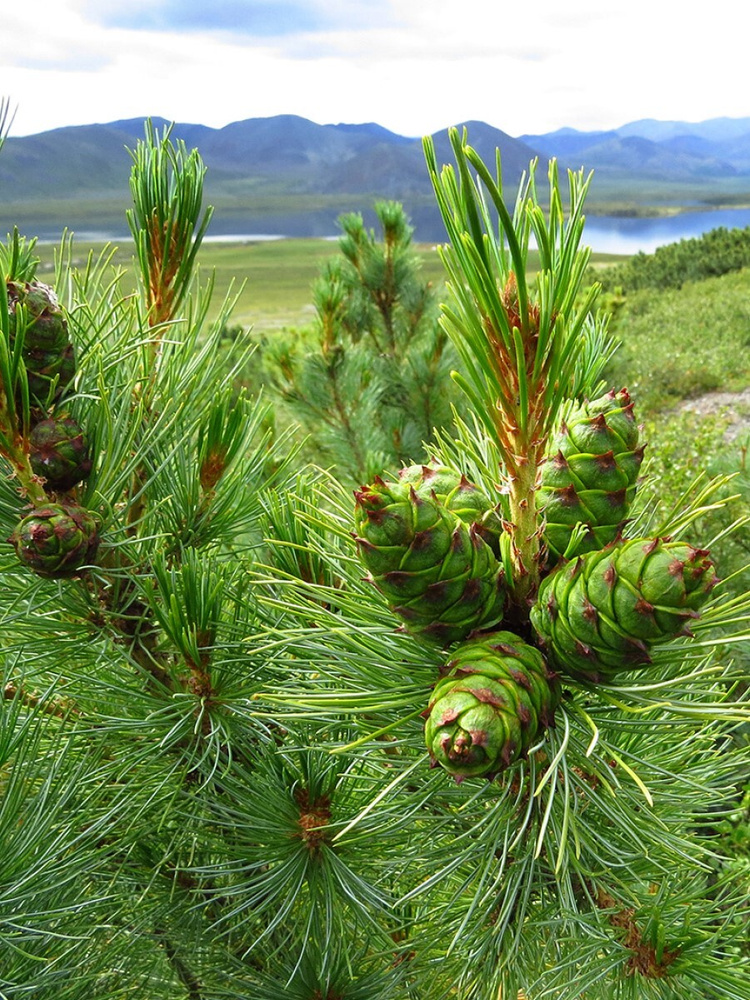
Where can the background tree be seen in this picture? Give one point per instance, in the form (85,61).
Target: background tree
(373,382)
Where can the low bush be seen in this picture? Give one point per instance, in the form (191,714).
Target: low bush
(719,251)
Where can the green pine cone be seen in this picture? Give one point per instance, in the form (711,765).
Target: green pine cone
(601,613)
(494,704)
(59,453)
(590,475)
(44,367)
(56,540)
(434,569)
(46,327)
(47,351)
(67,372)
(455,492)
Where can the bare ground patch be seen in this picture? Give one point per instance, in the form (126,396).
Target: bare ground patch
(734,406)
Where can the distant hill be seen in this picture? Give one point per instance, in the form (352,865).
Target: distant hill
(289,174)
(714,129)
(719,147)
(283,152)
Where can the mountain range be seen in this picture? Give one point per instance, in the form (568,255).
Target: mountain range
(262,168)
(719,147)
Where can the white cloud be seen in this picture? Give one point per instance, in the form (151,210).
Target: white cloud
(61,40)
(413,67)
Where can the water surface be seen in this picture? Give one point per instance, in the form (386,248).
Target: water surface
(604,234)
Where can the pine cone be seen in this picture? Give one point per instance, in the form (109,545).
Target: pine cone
(493,705)
(601,612)
(590,477)
(66,373)
(435,570)
(47,351)
(46,327)
(455,492)
(59,453)
(56,540)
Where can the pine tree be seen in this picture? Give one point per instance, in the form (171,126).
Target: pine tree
(214,780)
(374,383)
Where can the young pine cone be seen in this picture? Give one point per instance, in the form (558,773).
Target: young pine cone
(435,570)
(497,700)
(590,474)
(58,451)
(56,540)
(601,613)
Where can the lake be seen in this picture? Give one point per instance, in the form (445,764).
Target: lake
(608,234)
(604,234)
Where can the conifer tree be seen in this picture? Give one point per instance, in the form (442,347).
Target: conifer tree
(374,383)
(216,733)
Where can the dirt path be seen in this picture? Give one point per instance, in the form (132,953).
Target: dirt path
(734,405)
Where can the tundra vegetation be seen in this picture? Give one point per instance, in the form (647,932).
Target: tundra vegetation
(452,707)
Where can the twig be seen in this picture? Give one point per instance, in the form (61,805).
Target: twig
(62,709)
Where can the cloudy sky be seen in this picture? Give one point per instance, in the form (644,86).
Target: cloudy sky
(414,66)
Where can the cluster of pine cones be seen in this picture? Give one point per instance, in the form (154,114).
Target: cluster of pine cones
(434,545)
(57,538)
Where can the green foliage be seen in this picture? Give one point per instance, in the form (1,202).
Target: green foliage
(213,776)
(18,258)
(688,448)
(719,251)
(167,187)
(372,382)
(682,343)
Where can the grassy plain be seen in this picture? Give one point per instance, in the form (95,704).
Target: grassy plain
(272,278)
(679,344)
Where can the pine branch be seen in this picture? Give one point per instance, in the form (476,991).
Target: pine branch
(520,351)
(182,970)
(167,188)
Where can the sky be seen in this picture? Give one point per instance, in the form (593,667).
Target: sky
(413,66)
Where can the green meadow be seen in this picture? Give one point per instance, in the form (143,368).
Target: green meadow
(271,279)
